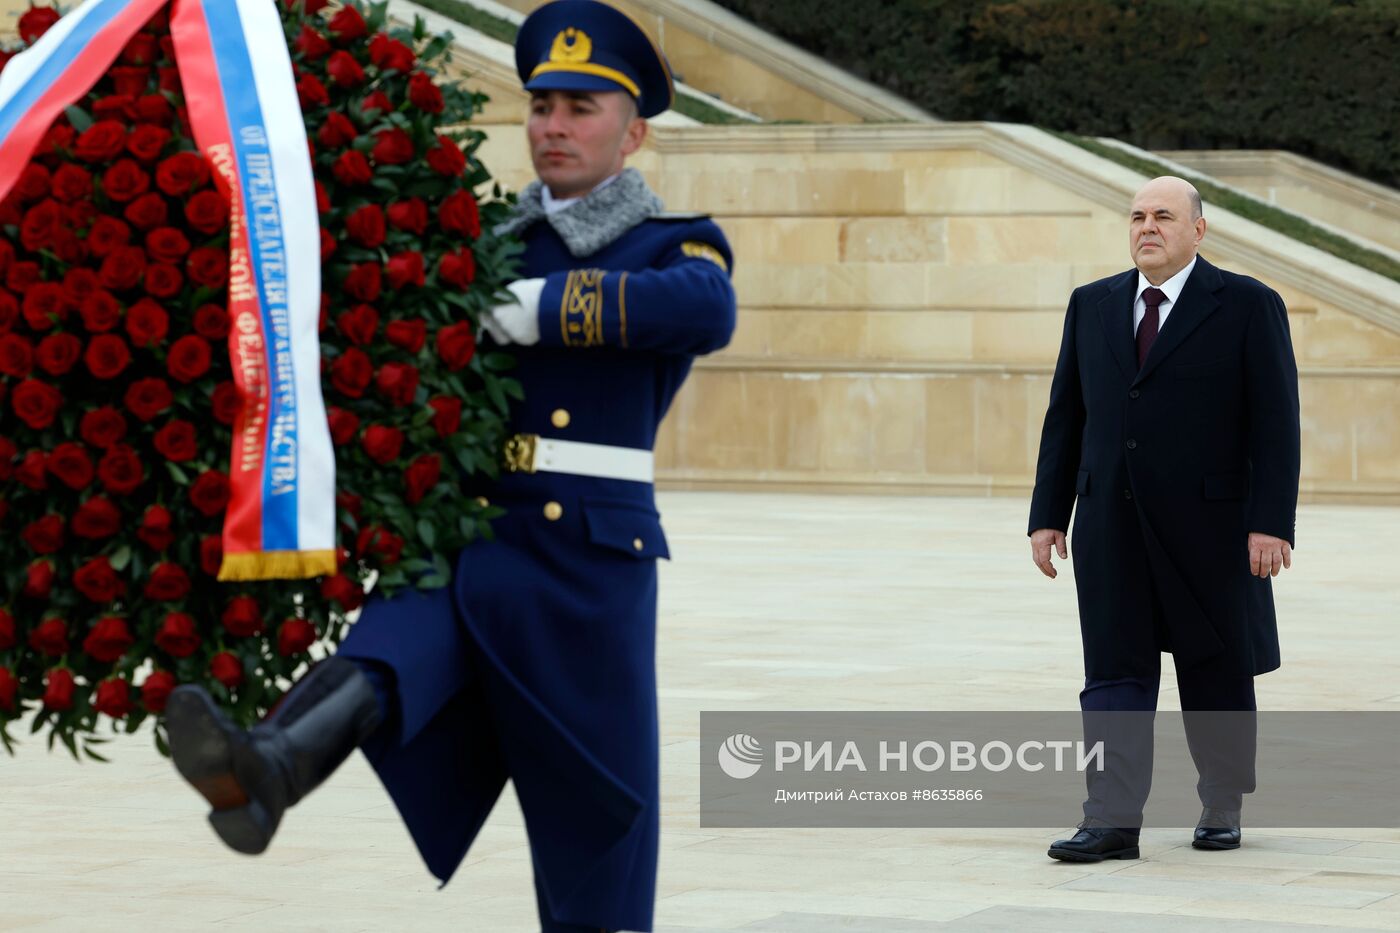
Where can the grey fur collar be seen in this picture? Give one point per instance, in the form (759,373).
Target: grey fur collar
(596,220)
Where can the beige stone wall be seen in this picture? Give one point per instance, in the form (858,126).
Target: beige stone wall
(9,14)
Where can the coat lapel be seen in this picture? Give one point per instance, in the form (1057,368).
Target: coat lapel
(1196,302)
(1116,316)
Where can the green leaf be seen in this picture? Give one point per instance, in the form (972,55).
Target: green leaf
(120,558)
(432,581)
(78,117)
(176,473)
(426,533)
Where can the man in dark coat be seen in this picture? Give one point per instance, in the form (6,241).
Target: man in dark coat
(538,664)
(1172,434)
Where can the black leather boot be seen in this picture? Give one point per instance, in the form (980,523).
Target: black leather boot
(1095,842)
(1217,829)
(251,777)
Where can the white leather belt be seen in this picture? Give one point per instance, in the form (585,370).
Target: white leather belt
(530,453)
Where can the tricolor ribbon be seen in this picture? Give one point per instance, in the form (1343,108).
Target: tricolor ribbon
(246,119)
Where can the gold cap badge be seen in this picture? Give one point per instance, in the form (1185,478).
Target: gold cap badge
(571,46)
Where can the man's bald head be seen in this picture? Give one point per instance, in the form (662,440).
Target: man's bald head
(1165,227)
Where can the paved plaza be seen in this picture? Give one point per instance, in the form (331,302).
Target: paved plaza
(775,602)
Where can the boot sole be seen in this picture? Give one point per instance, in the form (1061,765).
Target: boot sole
(1069,855)
(205,756)
(1213,846)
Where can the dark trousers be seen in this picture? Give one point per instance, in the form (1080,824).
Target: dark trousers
(1219,718)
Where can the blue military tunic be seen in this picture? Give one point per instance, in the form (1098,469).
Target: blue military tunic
(538,664)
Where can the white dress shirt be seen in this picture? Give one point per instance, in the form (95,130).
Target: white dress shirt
(1171,288)
(553,205)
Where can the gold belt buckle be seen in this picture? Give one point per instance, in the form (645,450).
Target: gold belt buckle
(520,453)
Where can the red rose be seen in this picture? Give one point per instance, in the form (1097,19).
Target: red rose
(389,54)
(311,92)
(163,281)
(108,640)
(102,427)
(147,398)
(446,158)
(358,324)
(107,356)
(366,226)
(351,372)
(343,590)
(323,200)
(294,637)
(225,403)
(364,282)
(33,182)
(147,141)
(72,183)
(424,94)
(382,444)
(343,425)
(176,441)
(147,212)
(58,137)
(337,131)
(106,234)
(36,21)
(7,629)
(112,107)
(101,142)
(405,269)
(125,180)
(456,344)
(155,691)
(344,70)
(350,503)
(189,358)
(35,403)
(98,581)
(208,267)
(58,352)
(44,536)
(181,173)
(392,146)
(16,356)
(22,276)
(113,698)
(421,476)
(45,304)
(458,268)
(210,322)
(328,245)
(154,108)
(460,214)
(226,669)
(376,542)
(71,464)
(410,216)
(79,284)
(123,268)
(177,636)
(41,226)
(166,244)
(311,44)
(242,616)
(96,518)
(407,335)
(397,382)
(100,312)
(447,414)
(168,582)
(210,492)
(8,450)
(348,25)
(38,581)
(9,688)
(32,472)
(351,168)
(58,689)
(207,211)
(50,637)
(143,49)
(129,81)
(377,101)
(120,470)
(156,530)
(147,323)
(211,554)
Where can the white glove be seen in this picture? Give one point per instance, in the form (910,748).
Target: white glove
(517,321)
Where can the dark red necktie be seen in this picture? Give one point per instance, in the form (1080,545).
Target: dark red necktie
(1147,330)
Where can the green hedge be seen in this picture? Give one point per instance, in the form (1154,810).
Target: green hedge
(1316,77)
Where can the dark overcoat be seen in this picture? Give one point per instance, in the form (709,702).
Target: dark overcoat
(538,664)
(1168,469)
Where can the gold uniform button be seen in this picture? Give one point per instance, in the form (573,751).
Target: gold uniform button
(553,511)
(637,544)
(483,501)
(560,419)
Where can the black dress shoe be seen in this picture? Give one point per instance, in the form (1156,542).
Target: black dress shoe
(1217,829)
(1095,843)
(251,777)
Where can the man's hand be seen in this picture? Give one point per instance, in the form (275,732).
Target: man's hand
(517,321)
(1268,555)
(1041,543)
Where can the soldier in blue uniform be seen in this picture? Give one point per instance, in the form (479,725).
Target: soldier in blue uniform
(537,664)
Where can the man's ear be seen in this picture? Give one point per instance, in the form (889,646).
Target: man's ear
(635,135)
(1200,229)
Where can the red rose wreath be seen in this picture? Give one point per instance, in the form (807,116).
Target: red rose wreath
(116,398)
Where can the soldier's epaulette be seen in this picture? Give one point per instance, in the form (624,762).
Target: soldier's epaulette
(681,216)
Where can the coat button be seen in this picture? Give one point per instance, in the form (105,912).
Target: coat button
(560,419)
(1134,393)
(1132,444)
(553,511)
(1127,494)
(637,544)
(483,501)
